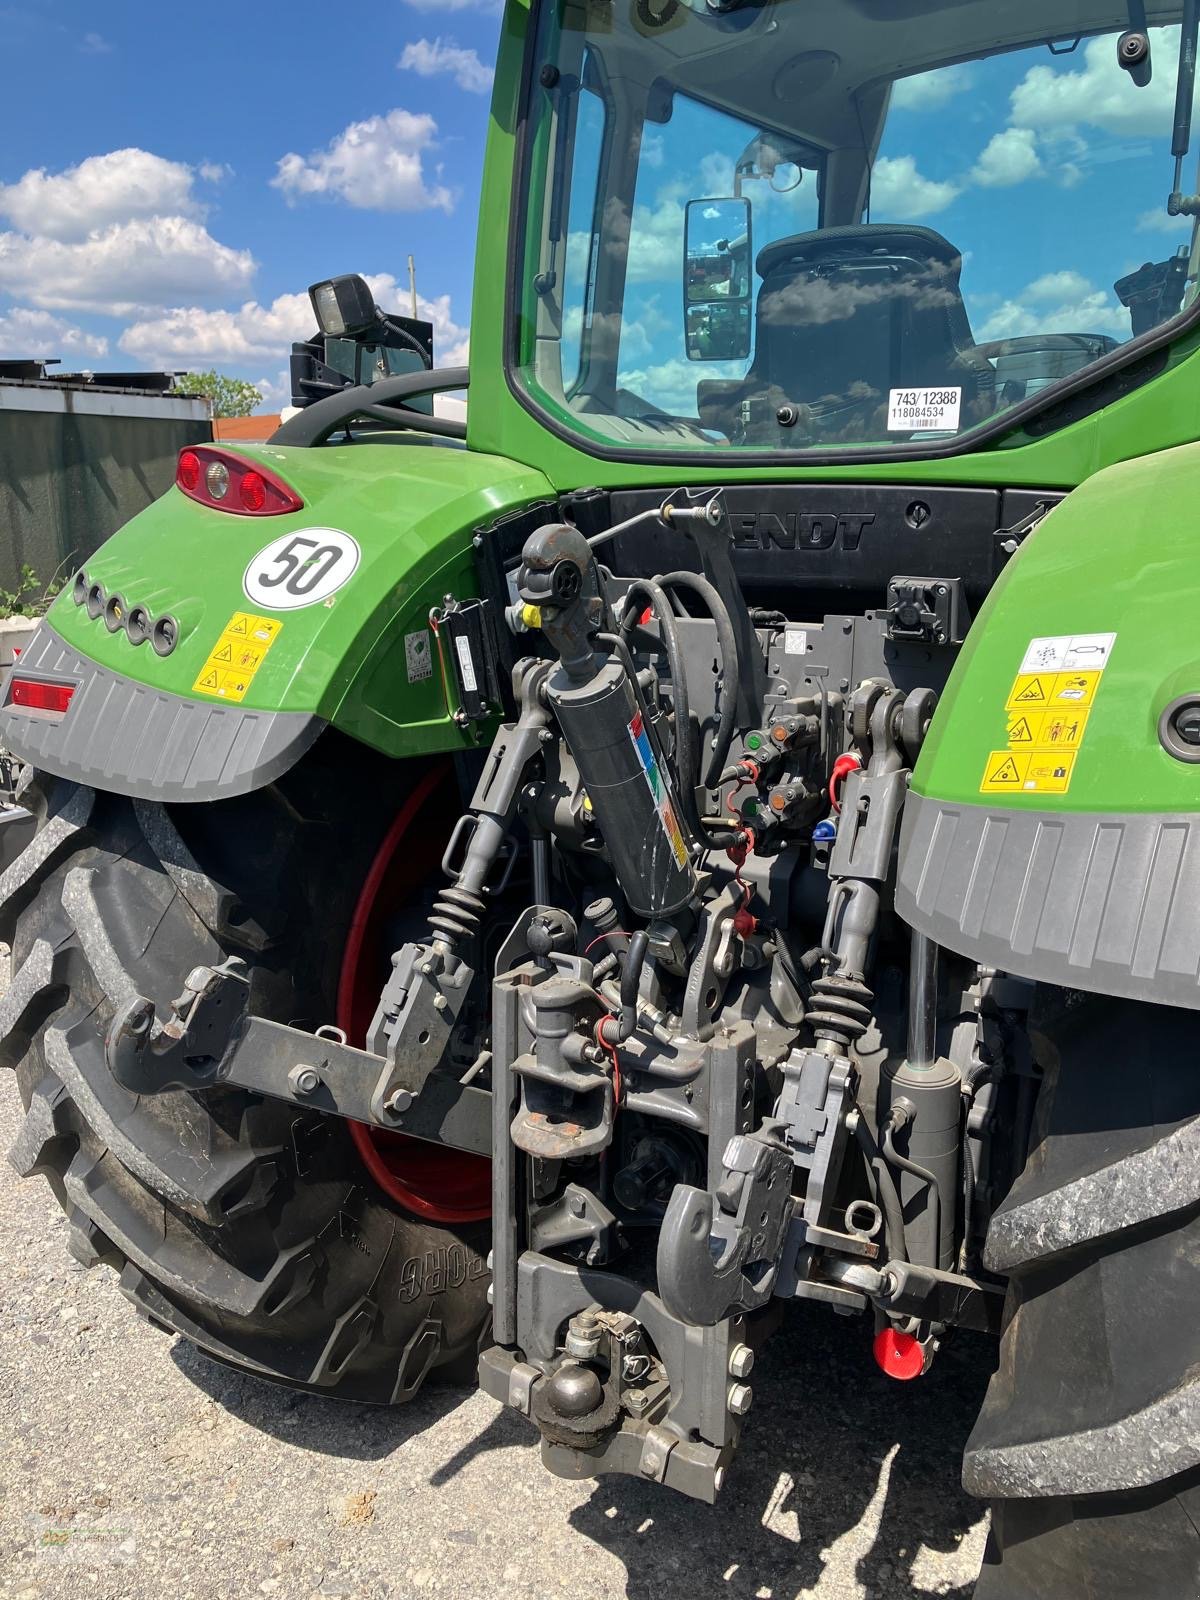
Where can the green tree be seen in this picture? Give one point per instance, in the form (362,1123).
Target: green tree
(231,397)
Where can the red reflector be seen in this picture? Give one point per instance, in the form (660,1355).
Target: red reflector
(187,473)
(898,1354)
(253,491)
(37,696)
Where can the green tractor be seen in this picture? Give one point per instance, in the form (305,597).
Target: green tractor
(716,829)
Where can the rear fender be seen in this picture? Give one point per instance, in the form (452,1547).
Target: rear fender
(258,672)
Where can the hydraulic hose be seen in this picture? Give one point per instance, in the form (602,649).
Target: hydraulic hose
(631,978)
(685,758)
(730,664)
(903,1164)
(885,1185)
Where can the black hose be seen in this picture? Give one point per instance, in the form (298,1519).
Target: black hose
(631,978)
(685,758)
(968,1199)
(927,1178)
(730,665)
(885,1187)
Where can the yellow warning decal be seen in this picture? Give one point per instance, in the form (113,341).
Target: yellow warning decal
(1075,689)
(1046,714)
(1025,771)
(1005,771)
(1030,692)
(236,656)
(1047,730)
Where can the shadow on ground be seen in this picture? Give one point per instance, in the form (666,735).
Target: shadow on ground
(832,1451)
(311,1421)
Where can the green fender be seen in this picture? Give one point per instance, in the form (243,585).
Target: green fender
(1049,831)
(362,659)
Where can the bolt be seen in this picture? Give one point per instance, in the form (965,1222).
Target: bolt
(578,1207)
(740,1398)
(741,1359)
(398,1102)
(427,969)
(440,1002)
(477,541)
(637,1400)
(650,1465)
(303,1080)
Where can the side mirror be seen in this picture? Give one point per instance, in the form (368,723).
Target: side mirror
(344,306)
(718,261)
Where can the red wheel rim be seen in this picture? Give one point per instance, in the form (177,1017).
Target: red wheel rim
(449,1186)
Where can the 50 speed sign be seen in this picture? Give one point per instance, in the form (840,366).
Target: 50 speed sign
(301,569)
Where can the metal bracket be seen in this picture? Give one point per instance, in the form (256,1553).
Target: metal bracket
(718,1253)
(211,1040)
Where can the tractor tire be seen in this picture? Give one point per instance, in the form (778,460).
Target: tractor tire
(245,1224)
(1088,1443)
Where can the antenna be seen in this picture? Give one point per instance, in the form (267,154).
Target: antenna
(412,286)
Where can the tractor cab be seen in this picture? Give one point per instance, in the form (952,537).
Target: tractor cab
(882,228)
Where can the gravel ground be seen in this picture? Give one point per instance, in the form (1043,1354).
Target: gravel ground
(133,1467)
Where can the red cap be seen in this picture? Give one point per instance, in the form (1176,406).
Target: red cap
(899,1354)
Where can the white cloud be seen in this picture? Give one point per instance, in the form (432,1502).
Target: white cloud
(95,44)
(376,164)
(928,91)
(1160,221)
(1058,302)
(122,268)
(430,57)
(215,171)
(26,332)
(252,334)
(1008,158)
(116,187)
(1060,286)
(276,392)
(671,385)
(1100,94)
(899,191)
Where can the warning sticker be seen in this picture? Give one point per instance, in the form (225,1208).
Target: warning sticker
(237,656)
(1005,770)
(662,802)
(1089,651)
(1046,713)
(1047,730)
(1020,771)
(1030,692)
(1074,689)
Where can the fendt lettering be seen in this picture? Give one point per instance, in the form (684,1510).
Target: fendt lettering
(799,530)
(590,943)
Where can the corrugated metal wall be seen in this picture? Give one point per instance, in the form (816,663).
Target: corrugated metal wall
(70,477)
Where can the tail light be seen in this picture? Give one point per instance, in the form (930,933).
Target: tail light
(226,482)
(37,694)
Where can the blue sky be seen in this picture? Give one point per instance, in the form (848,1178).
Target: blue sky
(143,204)
(171,180)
